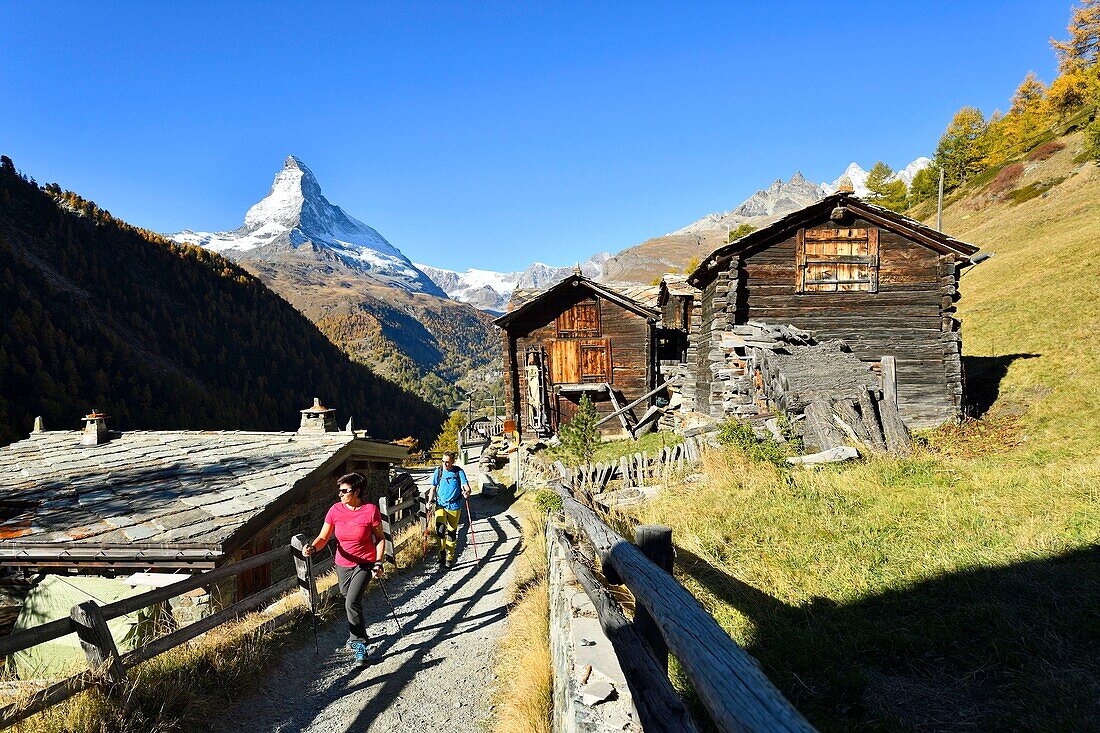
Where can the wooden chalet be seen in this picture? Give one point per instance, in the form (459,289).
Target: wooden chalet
(106,503)
(580,337)
(876,282)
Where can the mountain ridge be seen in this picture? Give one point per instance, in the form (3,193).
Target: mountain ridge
(359,289)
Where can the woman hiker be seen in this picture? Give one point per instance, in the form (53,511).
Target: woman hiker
(449,489)
(360,546)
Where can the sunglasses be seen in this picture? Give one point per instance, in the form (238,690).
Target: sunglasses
(344,491)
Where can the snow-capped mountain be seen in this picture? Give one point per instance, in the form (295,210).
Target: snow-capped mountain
(783,197)
(295,215)
(858,176)
(490,291)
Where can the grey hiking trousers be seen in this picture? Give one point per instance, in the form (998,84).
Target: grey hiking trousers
(353,581)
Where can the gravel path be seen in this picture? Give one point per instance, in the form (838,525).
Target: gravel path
(437,677)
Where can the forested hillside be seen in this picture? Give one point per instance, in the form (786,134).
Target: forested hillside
(97,313)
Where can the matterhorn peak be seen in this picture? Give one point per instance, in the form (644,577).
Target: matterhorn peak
(295,213)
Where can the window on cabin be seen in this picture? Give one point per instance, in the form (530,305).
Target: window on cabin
(580,321)
(837,260)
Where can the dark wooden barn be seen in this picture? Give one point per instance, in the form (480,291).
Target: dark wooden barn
(579,337)
(842,269)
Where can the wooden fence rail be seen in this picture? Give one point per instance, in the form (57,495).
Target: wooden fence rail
(401,508)
(639,469)
(734,690)
(107,667)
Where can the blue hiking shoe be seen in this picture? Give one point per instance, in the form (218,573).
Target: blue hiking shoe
(361,654)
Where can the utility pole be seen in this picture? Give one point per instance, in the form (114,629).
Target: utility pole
(939,205)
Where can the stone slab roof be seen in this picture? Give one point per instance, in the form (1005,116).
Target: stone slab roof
(153,489)
(645,295)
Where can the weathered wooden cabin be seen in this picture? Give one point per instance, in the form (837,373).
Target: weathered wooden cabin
(578,337)
(841,269)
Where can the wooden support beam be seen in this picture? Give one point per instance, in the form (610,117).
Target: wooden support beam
(897,436)
(99,646)
(307,582)
(623,409)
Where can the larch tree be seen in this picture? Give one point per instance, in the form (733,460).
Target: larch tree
(1082,48)
(963,148)
(884,191)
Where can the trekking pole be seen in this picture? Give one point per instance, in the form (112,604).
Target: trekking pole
(312,601)
(393,610)
(473,536)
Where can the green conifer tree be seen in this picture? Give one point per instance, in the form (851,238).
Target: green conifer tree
(580,437)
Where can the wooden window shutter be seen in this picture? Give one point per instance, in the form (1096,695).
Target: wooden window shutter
(565,362)
(800,255)
(872,251)
(840,260)
(595,360)
(581,320)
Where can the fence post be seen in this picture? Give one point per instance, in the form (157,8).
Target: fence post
(99,646)
(655,542)
(387,527)
(306,582)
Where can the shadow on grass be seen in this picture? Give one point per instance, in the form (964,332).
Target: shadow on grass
(983,379)
(1013,647)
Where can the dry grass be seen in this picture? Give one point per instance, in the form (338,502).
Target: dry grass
(524,698)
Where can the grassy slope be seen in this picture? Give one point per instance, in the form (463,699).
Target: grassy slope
(959,588)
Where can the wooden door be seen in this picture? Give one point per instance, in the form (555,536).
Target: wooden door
(565,361)
(257,579)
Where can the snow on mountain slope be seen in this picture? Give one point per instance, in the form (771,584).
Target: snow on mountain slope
(490,291)
(295,214)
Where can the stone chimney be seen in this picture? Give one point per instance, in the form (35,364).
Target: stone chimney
(39,426)
(318,419)
(95,428)
(844,185)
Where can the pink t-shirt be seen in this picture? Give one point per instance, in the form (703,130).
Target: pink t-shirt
(354,533)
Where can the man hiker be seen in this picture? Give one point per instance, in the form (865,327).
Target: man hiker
(449,490)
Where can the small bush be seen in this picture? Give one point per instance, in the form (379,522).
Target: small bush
(1006,179)
(1045,150)
(547,501)
(1034,190)
(740,435)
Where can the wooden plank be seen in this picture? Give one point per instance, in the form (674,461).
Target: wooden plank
(660,708)
(307,581)
(846,412)
(897,436)
(889,369)
(819,419)
(646,396)
(729,682)
(655,542)
(36,635)
(158,595)
(45,698)
(870,419)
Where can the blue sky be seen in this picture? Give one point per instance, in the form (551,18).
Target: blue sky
(492,135)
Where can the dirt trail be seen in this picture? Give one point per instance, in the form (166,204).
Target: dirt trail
(437,677)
